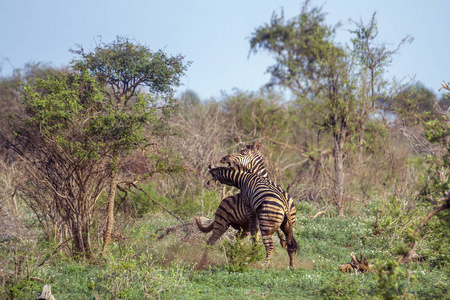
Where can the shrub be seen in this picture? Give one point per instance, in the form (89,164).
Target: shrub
(240,254)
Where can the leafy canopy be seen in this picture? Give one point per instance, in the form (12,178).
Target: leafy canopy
(70,109)
(125,67)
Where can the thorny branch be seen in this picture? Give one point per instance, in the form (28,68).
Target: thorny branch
(158,203)
(413,244)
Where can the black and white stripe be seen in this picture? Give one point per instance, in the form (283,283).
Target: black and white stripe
(231,210)
(265,204)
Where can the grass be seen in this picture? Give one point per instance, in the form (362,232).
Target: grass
(143,267)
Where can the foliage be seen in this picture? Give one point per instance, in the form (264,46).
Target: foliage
(125,66)
(240,254)
(338,287)
(298,45)
(415,103)
(343,85)
(388,276)
(145,268)
(258,116)
(435,192)
(437,247)
(62,102)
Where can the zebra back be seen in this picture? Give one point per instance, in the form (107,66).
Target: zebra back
(253,187)
(251,160)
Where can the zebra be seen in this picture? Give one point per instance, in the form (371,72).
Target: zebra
(249,160)
(266,205)
(231,210)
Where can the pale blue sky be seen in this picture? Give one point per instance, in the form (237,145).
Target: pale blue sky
(214,35)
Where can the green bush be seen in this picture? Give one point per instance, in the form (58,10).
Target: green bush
(240,254)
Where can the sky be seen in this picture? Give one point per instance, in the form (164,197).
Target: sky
(214,35)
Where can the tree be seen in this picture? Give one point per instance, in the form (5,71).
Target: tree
(190,98)
(76,128)
(298,45)
(435,193)
(62,136)
(416,102)
(342,84)
(124,68)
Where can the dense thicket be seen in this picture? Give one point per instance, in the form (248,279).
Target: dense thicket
(91,150)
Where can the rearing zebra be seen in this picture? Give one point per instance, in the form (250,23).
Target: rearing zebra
(251,159)
(265,203)
(231,210)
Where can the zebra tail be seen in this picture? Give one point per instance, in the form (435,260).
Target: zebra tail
(202,228)
(293,243)
(290,239)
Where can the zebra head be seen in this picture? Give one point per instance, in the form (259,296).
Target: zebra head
(227,175)
(248,160)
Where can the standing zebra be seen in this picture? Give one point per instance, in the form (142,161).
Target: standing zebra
(265,203)
(231,210)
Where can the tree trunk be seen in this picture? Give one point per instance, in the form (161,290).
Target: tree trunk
(338,152)
(77,237)
(14,203)
(87,239)
(110,213)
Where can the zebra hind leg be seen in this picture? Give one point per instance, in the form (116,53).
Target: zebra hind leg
(218,231)
(270,248)
(282,240)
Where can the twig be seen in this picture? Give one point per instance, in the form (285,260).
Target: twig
(37,278)
(288,146)
(375,226)
(225,252)
(318,214)
(156,202)
(424,220)
(169,230)
(54,252)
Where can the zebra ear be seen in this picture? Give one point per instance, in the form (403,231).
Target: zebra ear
(250,147)
(257,146)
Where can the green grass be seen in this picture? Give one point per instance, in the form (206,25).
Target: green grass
(145,268)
